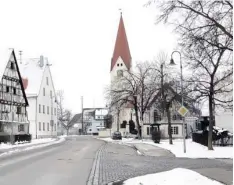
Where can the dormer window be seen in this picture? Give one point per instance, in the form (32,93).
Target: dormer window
(12,66)
(118,65)
(120,73)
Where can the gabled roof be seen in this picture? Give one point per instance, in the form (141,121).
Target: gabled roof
(121,47)
(76,118)
(5,55)
(32,73)
(4,58)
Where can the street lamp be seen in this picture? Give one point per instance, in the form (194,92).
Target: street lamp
(182,91)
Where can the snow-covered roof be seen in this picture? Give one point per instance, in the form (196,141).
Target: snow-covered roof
(32,70)
(4,58)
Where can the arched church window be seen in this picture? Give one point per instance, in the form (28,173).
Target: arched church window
(121,64)
(117,64)
(120,73)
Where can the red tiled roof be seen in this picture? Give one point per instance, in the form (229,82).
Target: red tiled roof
(121,46)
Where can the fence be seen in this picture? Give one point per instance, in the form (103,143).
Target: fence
(227,141)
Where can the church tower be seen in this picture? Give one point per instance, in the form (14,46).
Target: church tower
(120,62)
(121,59)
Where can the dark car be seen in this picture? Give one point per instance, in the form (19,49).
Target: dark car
(117,136)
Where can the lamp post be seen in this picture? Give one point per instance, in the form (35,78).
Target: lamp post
(182,92)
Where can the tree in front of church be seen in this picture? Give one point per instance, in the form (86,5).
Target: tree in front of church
(136,88)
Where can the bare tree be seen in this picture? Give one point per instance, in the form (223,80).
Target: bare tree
(135,88)
(206,32)
(64,115)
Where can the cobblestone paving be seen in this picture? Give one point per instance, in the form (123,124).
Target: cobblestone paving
(120,162)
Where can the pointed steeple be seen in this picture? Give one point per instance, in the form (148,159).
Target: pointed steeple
(121,46)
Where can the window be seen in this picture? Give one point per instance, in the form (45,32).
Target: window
(20,128)
(120,73)
(121,64)
(1,127)
(90,130)
(148,130)
(48,110)
(175,130)
(12,66)
(54,127)
(43,109)
(117,64)
(47,81)
(157,117)
(43,126)
(51,94)
(98,117)
(18,111)
(51,110)
(40,126)
(48,127)
(14,90)
(43,91)
(39,108)
(7,89)
(55,111)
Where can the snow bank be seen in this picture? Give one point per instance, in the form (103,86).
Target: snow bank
(35,146)
(177,176)
(24,143)
(193,149)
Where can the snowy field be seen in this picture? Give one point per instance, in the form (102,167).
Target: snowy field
(194,150)
(178,176)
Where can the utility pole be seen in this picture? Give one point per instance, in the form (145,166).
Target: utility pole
(82,112)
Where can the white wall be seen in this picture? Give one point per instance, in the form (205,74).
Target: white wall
(47,102)
(31,109)
(225,120)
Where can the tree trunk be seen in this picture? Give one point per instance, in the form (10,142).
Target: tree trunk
(211,121)
(118,112)
(138,123)
(169,124)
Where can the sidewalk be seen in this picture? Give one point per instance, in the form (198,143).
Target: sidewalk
(151,150)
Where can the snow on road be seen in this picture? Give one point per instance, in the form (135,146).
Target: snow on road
(178,176)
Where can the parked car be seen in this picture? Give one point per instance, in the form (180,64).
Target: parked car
(117,136)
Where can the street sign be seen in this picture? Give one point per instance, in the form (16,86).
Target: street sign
(183,111)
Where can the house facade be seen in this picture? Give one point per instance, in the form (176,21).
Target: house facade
(41,94)
(14,124)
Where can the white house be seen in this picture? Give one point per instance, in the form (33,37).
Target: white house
(40,91)
(14,124)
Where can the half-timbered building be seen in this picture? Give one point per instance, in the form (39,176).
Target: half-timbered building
(14,124)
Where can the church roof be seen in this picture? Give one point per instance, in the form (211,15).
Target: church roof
(121,46)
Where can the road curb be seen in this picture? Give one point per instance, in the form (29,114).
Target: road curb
(94,174)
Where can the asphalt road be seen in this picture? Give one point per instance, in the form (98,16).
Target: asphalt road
(66,163)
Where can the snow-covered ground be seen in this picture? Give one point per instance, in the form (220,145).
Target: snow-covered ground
(23,144)
(37,143)
(177,176)
(193,149)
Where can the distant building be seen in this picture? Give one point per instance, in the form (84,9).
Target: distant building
(13,101)
(40,91)
(93,119)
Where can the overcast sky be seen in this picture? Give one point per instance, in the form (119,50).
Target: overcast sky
(78,38)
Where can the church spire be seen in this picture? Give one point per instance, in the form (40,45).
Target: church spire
(121,46)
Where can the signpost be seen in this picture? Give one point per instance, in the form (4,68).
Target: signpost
(183,111)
